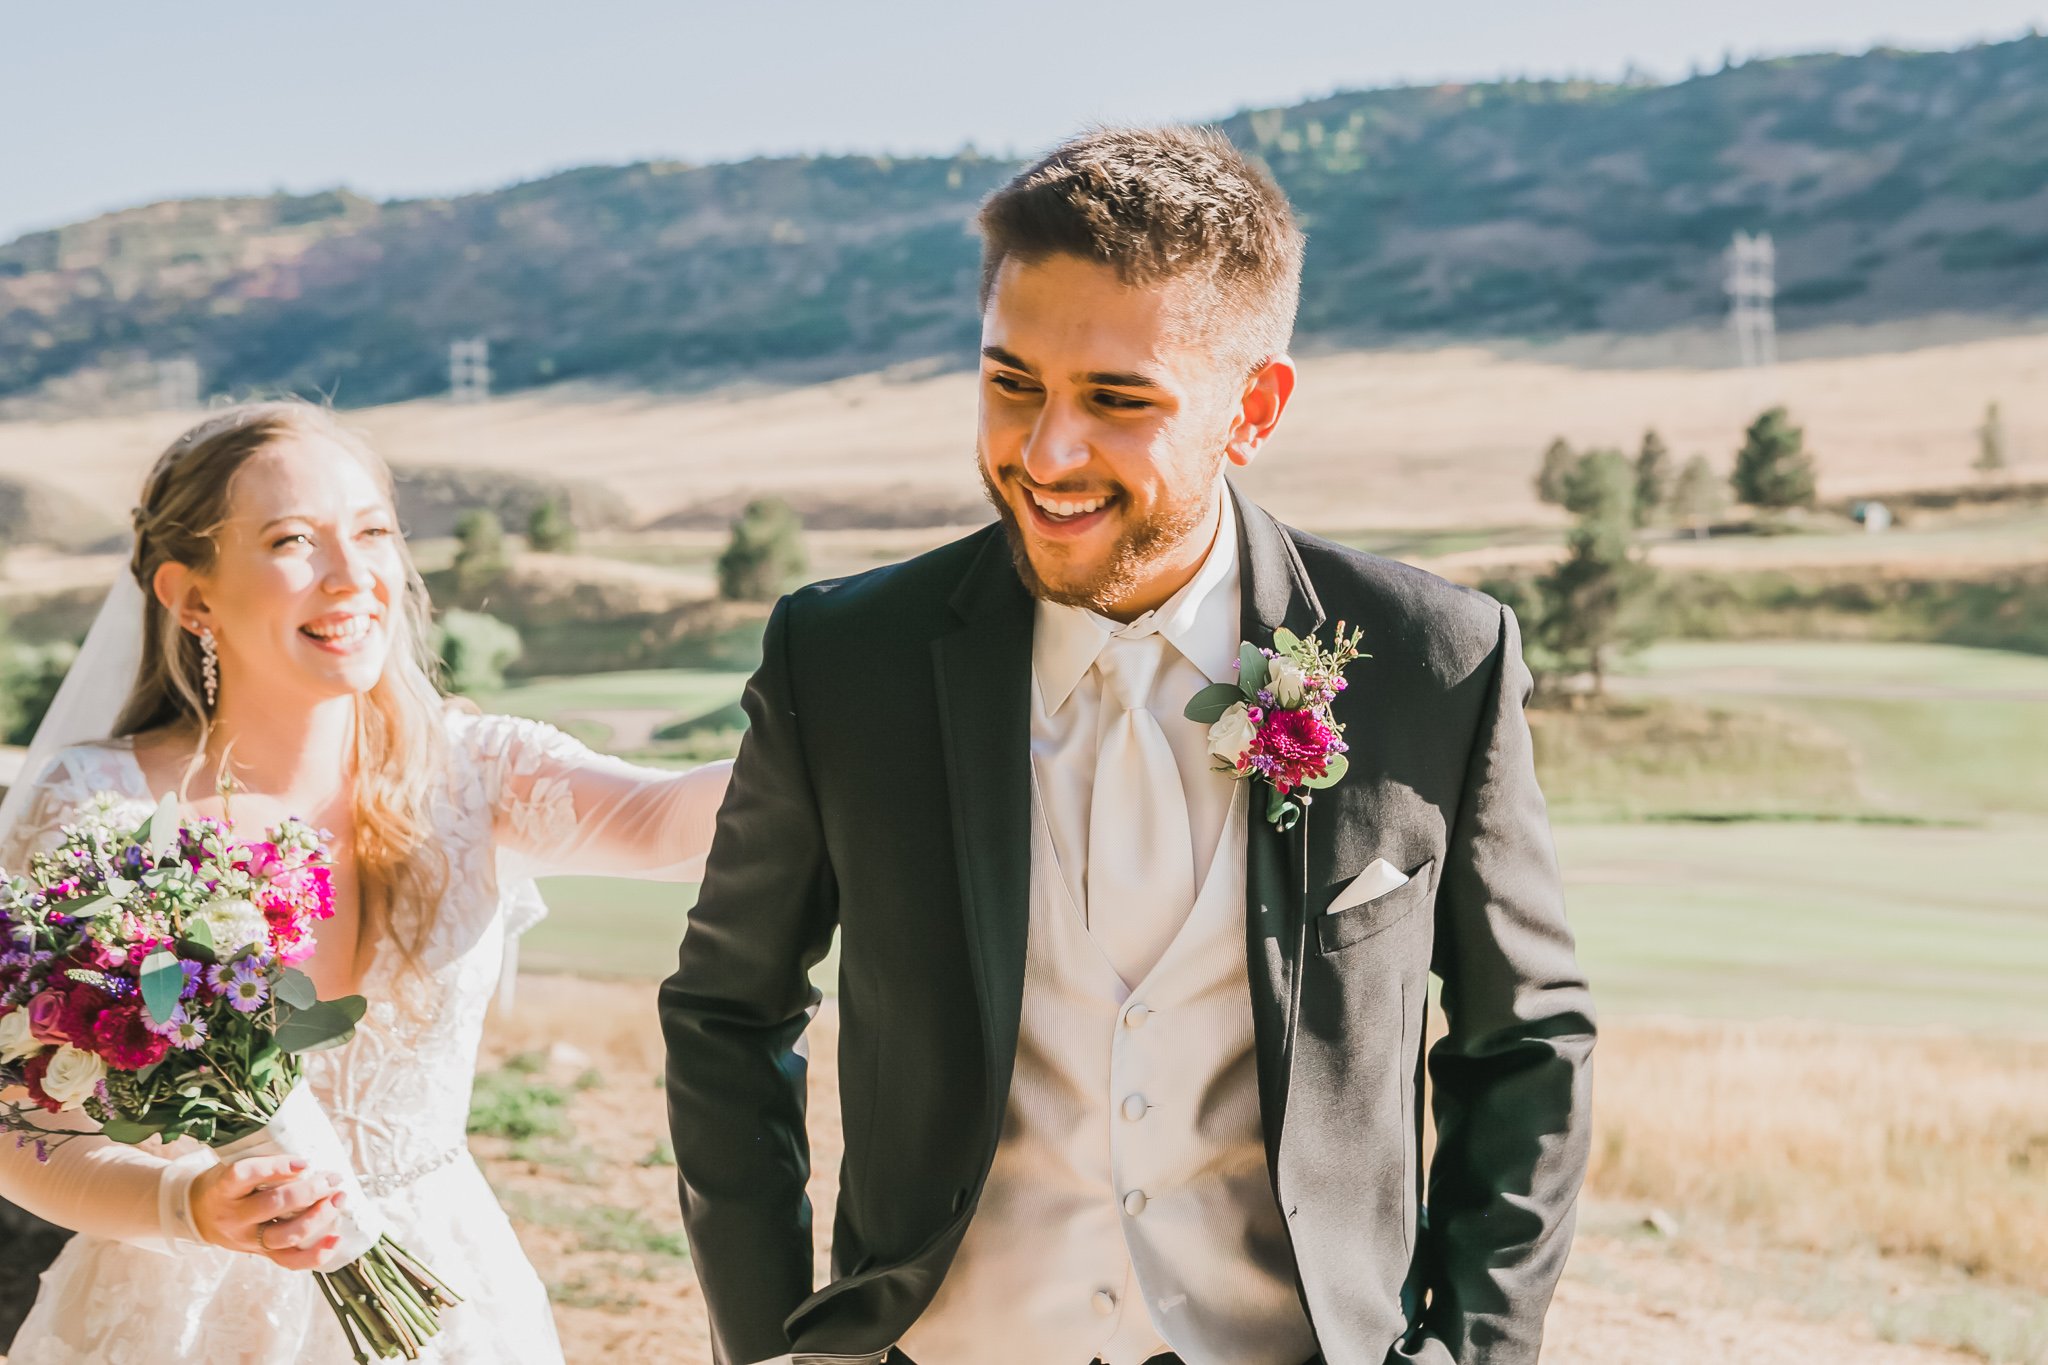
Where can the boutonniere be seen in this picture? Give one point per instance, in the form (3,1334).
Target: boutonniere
(1274,722)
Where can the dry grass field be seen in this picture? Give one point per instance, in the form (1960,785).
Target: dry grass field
(1442,436)
(1760,1194)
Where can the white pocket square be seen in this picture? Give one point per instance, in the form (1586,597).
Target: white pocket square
(1379,877)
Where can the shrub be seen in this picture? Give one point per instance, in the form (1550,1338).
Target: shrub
(550,530)
(765,554)
(475,650)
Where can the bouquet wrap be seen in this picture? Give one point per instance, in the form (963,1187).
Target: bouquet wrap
(301,1128)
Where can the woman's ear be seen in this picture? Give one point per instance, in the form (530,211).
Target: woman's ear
(178,592)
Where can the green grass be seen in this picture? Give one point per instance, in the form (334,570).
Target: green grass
(686,692)
(1904,926)
(1957,742)
(1794,850)
(1842,667)
(512,1102)
(599,1227)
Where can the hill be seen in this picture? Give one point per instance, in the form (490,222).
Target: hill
(1896,184)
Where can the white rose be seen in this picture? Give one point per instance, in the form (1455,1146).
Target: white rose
(16,1042)
(1287,683)
(73,1075)
(1231,735)
(236,924)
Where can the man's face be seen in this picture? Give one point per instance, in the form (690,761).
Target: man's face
(1104,427)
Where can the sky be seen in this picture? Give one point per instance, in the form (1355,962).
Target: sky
(122,102)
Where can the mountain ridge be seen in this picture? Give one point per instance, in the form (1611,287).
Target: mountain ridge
(1896,184)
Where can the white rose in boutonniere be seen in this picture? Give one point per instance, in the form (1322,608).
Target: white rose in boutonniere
(1288,684)
(73,1075)
(1231,736)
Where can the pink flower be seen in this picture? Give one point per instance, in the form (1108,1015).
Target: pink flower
(1298,746)
(45,1016)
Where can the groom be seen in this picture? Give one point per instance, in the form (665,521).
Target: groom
(1128,1073)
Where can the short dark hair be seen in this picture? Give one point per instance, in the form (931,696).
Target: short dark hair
(1158,204)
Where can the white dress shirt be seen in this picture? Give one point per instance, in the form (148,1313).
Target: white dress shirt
(1128,1211)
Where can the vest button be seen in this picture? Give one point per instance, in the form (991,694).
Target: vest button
(1135,1107)
(1136,1015)
(1134,1203)
(1104,1303)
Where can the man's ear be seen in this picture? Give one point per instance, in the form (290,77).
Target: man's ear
(178,591)
(1258,412)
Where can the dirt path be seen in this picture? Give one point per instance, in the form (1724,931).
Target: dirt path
(1627,1299)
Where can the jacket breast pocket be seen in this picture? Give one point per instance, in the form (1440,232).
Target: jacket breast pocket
(1376,916)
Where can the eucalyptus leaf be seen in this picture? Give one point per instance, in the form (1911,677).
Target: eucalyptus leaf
(1339,765)
(127,1130)
(199,934)
(296,989)
(163,981)
(1211,702)
(163,827)
(1286,641)
(1251,670)
(328,1024)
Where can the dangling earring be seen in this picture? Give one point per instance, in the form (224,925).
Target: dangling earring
(209,666)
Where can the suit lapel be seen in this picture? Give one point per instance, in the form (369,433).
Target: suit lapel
(983,673)
(1276,593)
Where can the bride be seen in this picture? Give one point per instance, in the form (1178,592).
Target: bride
(280,629)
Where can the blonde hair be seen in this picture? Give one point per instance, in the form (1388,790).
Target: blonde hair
(398,761)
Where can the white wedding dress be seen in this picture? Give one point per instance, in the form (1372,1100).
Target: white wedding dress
(522,800)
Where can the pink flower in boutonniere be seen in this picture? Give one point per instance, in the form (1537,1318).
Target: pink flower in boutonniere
(1275,722)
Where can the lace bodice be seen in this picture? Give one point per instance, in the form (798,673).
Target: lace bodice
(522,799)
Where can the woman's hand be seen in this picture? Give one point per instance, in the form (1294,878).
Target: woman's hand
(269,1206)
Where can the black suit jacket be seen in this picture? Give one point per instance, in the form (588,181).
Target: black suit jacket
(883,790)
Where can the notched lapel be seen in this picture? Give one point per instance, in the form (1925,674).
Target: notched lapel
(983,673)
(1276,592)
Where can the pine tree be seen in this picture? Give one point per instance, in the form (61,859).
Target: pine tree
(1558,459)
(1699,497)
(1991,443)
(1653,477)
(1774,470)
(1592,599)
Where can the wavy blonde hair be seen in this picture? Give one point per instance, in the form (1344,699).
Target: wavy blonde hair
(398,759)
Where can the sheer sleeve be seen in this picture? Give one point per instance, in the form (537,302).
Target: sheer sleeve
(88,1184)
(559,807)
(140,1195)
(57,795)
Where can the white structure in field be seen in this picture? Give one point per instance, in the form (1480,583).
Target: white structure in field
(469,370)
(1752,294)
(177,384)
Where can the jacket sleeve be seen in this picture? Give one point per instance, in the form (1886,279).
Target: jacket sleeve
(733,1016)
(1512,1079)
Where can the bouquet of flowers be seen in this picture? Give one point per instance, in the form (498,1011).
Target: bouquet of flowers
(149,978)
(1275,724)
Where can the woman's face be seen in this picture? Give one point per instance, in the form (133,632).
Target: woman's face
(308,573)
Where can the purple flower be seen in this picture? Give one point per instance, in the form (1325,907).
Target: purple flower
(246,987)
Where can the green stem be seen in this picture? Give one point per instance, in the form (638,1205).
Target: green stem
(348,1327)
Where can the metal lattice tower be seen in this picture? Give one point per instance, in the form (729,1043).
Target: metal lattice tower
(1752,294)
(177,384)
(469,370)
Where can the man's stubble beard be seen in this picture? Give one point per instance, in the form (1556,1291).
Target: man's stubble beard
(1122,573)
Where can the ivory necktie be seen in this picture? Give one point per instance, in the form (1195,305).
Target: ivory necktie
(1141,860)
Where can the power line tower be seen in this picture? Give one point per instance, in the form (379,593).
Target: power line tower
(177,384)
(469,370)
(1752,293)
